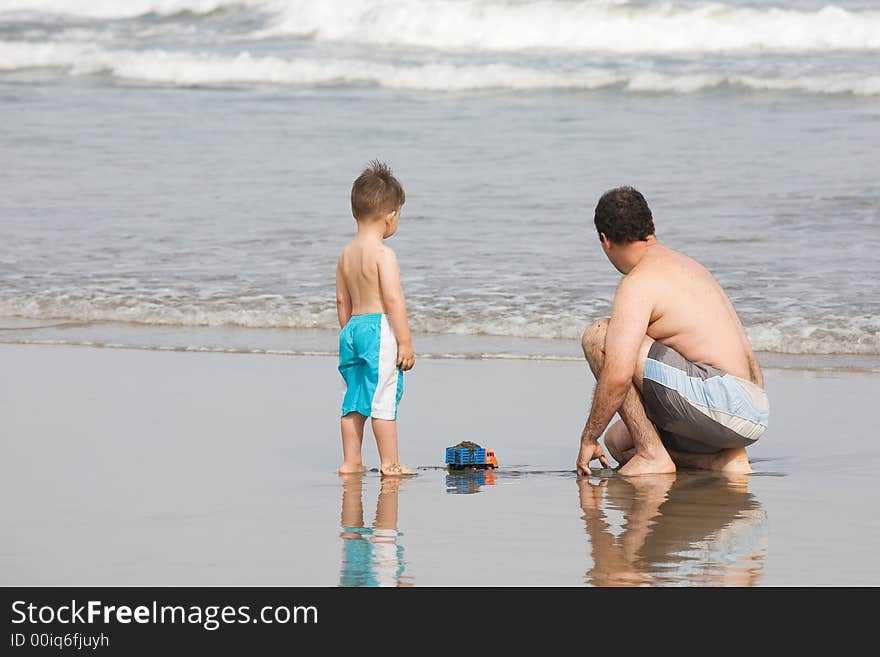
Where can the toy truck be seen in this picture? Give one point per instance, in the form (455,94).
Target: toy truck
(458,457)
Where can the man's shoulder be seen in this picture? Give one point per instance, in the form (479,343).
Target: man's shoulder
(663,274)
(648,278)
(664,259)
(642,276)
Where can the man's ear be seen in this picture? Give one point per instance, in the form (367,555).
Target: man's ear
(605,242)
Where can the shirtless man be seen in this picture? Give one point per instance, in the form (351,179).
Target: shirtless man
(673,361)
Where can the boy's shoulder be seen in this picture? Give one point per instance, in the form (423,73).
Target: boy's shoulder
(351,247)
(386,250)
(386,257)
(380,250)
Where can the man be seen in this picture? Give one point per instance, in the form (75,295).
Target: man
(673,361)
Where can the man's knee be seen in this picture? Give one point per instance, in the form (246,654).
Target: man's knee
(618,440)
(593,341)
(611,441)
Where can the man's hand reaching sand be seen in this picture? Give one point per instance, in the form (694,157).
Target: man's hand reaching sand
(589,452)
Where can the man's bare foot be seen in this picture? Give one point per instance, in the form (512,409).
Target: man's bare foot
(624,457)
(349,468)
(396,470)
(641,465)
(731,461)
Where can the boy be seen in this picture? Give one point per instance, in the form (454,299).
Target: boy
(375,343)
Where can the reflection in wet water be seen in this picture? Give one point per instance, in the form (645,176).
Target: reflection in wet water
(469,481)
(371,556)
(686,529)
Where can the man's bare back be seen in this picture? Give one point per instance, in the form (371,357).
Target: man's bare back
(691,312)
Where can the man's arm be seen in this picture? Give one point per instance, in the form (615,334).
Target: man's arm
(755,370)
(343,297)
(755,375)
(395,307)
(630,315)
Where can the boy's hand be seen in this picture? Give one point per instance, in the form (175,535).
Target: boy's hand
(405,357)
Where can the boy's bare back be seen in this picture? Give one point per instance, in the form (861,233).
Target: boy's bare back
(361,267)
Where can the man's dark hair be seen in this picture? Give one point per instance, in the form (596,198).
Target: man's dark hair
(376,192)
(624,216)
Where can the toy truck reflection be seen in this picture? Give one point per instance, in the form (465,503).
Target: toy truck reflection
(459,457)
(468,480)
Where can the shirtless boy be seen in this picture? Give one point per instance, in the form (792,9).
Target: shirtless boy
(375,343)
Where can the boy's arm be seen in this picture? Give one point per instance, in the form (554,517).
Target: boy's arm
(395,307)
(343,298)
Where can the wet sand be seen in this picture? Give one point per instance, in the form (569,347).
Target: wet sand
(166,468)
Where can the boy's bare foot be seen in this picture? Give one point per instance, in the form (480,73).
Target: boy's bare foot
(641,465)
(396,470)
(351,469)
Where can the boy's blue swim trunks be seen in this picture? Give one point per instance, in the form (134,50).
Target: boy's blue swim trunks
(368,363)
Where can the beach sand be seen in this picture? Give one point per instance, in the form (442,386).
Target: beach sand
(127,467)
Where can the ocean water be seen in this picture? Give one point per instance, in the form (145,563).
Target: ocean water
(176,173)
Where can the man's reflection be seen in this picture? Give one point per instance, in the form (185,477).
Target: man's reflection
(687,528)
(371,556)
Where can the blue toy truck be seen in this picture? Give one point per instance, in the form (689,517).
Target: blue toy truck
(466,457)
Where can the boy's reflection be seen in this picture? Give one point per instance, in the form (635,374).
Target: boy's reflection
(687,529)
(371,556)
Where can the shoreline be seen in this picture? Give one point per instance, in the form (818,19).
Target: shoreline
(842,363)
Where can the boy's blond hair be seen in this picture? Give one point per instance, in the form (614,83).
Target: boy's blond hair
(376,192)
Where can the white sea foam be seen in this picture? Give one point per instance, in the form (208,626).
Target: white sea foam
(187,69)
(834,334)
(587,26)
(826,334)
(195,69)
(106,307)
(114,9)
(508,25)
